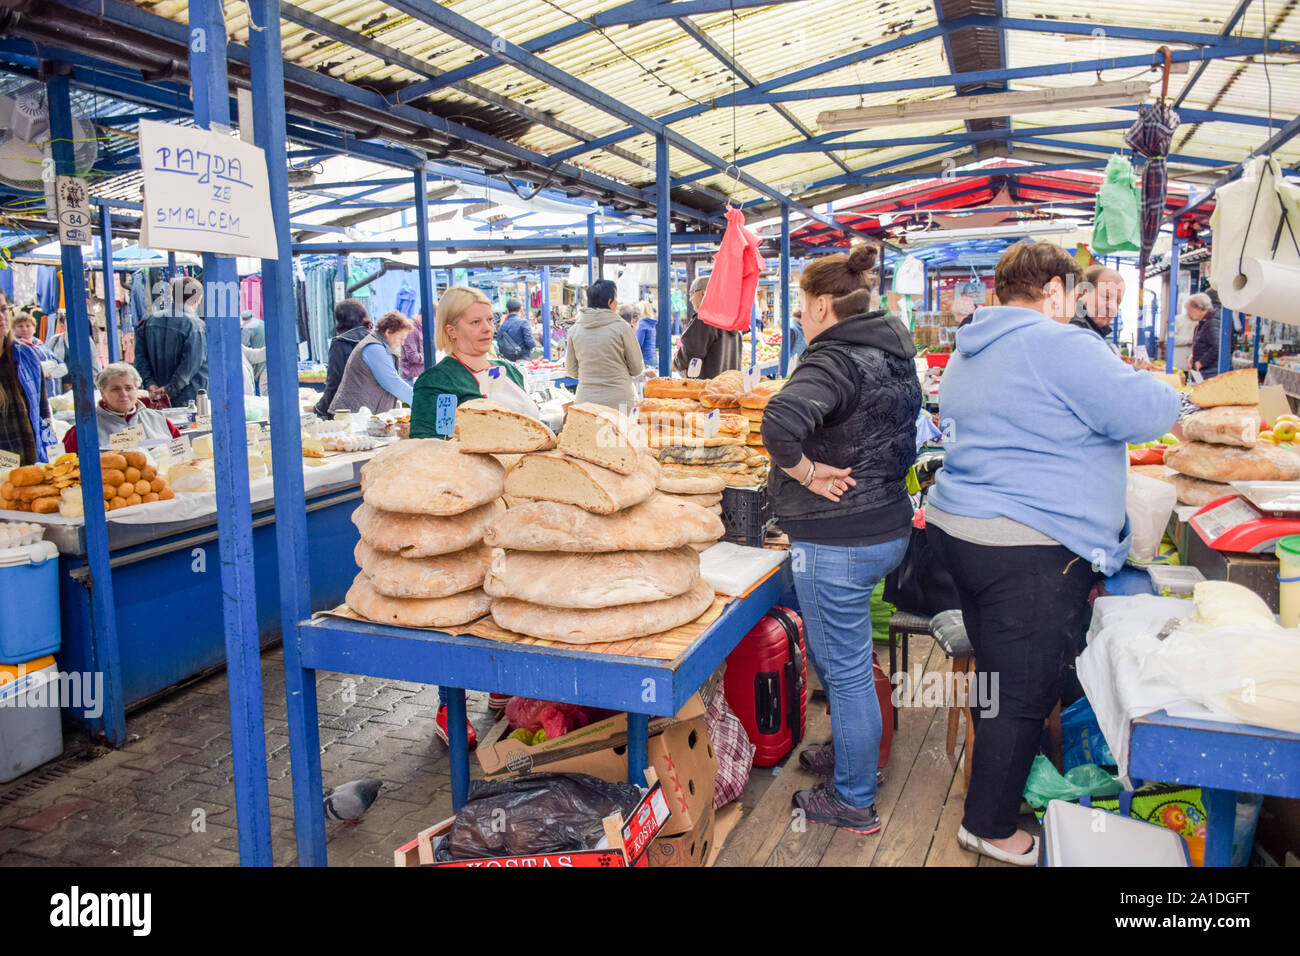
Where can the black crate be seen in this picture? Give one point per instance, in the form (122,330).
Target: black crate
(746,515)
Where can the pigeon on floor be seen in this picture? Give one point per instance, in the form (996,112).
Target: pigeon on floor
(349,801)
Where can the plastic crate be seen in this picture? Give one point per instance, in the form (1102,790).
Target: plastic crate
(937,359)
(746,515)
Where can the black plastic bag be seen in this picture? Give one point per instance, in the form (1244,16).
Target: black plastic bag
(921,584)
(533,814)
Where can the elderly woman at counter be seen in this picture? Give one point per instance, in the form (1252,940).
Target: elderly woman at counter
(120,408)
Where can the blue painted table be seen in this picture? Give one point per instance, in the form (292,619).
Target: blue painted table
(167,591)
(1222,759)
(643,687)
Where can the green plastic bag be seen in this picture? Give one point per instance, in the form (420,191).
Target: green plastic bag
(1045,783)
(1118,212)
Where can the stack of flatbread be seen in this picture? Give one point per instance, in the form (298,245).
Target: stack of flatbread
(426,503)
(589,551)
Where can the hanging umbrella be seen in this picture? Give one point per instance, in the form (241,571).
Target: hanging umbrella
(1151,136)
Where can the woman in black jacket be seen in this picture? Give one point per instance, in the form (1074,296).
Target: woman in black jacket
(351,325)
(843,435)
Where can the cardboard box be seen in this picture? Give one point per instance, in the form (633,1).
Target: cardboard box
(602,745)
(628,841)
(684,849)
(679,749)
(684,760)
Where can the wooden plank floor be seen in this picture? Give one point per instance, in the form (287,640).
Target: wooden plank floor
(920,803)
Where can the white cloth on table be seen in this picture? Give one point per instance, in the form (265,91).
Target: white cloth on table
(1232,674)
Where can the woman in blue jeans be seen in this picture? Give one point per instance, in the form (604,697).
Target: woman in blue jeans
(843,435)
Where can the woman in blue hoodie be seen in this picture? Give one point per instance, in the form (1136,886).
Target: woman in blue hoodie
(1028,510)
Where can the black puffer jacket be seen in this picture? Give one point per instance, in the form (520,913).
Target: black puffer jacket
(851,403)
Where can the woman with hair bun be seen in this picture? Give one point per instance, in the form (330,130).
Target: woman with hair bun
(843,435)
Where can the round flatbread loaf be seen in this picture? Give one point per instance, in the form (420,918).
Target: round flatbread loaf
(716,509)
(657,524)
(691,484)
(429,476)
(609,579)
(416,612)
(602,625)
(704,501)
(440,576)
(423,536)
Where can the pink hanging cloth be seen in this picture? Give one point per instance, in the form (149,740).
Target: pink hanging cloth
(733,283)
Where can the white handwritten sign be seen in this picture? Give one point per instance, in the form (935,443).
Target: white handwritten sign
(9,461)
(126,438)
(204,192)
(179,449)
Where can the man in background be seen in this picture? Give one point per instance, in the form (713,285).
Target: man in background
(717,349)
(515,337)
(1099,299)
(171,348)
(252,335)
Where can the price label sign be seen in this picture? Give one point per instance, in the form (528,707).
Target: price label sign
(178,449)
(444,422)
(750,376)
(712,422)
(1141,353)
(9,461)
(693,368)
(202,421)
(251,432)
(126,438)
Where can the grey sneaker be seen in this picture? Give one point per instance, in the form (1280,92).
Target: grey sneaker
(823,805)
(820,761)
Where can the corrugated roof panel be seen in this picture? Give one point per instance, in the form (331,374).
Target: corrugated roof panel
(657,68)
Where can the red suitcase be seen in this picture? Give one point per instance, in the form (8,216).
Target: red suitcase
(766,684)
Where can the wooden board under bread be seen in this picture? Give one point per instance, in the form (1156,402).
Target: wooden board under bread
(666,646)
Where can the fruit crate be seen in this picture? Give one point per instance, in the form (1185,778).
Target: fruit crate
(746,515)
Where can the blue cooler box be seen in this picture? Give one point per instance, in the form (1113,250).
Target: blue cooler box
(30,626)
(31,726)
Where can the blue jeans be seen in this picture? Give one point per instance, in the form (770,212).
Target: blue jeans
(834,586)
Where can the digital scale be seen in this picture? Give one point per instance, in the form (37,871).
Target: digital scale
(1252,520)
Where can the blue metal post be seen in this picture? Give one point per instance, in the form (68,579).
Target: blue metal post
(211,90)
(458,743)
(1258,366)
(663,256)
(591,248)
(785,290)
(103,619)
(171,265)
(110,300)
(528,300)
(1175,250)
(1225,340)
(546,312)
(925,295)
(286,440)
(427,301)
(638,734)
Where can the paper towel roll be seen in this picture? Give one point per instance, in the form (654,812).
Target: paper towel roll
(1267,289)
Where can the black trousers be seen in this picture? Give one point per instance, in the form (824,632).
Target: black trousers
(1026,614)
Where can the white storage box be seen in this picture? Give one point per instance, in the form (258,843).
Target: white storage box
(1085,836)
